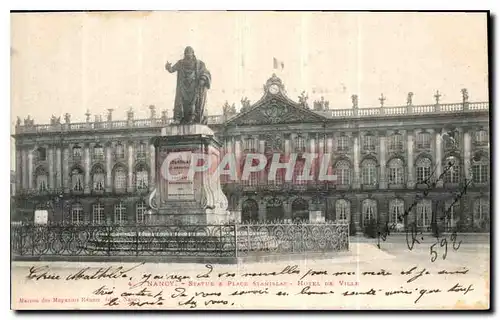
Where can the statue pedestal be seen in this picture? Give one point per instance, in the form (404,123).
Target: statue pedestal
(188,189)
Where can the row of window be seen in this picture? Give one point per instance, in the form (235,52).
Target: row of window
(98,179)
(422,211)
(97,152)
(423,140)
(395,172)
(98,216)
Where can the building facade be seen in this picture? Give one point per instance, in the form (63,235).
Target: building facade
(411,161)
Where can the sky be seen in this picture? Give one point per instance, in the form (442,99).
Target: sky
(74,62)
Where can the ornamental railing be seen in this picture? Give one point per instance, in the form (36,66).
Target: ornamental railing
(220,119)
(229,240)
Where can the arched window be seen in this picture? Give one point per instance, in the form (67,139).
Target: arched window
(424,213)
(343,143)
(141,211)
(76,213)
(300,144)
(120,151)
(369,172)
(481,211)
(77,152)
(481,137)
(120,213)
(343,172)
(369,210)
(141,178)
(423,140)
(423,170)
(297,173)
(77,179)
(41,178)
(396,142)
(369,142)
(452,167)
(120,178)
(98,213)
(396,211)
(98,178)
(396,171)
(342,210)
(98,153)
(480,170)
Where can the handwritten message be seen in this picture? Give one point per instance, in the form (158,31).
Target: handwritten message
(208,286)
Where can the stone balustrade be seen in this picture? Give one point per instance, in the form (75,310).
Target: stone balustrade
(220,119)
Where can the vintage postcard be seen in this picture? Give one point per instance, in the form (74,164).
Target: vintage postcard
(250,160)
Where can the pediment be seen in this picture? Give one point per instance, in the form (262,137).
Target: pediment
(275,110)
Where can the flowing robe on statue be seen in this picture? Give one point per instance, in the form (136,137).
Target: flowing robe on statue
(190,97)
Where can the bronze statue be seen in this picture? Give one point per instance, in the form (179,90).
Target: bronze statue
(193,81)
(303,100)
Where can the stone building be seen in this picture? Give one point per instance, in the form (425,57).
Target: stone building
(387,160)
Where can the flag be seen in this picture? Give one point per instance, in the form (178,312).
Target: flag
(277,64)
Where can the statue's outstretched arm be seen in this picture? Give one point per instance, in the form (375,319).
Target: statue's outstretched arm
(171,68)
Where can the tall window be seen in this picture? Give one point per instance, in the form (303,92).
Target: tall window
(41,179)
(396,171)
(481,211)
(424,213)
(141,150)
(98,213)
(141,178)
(423,140)
(120,213)
(98,154)
(396,142)
(343,172)
(369,142)
(77,152)
(481,137)
(396,211)
(369,172)
(98,179)
(141,210)
(120,151)
(41,154)
(300,144)
(343,143)
(452,167)
(250,144)
(77,179)
(423,170)
(342,210)
(480,170)
(297,172)
(120,179)
(253,179)
(451,212)
(76,213)
(369,209)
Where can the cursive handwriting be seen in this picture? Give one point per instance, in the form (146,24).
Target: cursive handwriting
(41,273)
(102,273)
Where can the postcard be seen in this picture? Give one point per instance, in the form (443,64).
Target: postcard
(250,160)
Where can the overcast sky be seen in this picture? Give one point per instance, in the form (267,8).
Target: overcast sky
(71,62)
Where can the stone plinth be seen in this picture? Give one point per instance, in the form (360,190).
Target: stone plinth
(188,189)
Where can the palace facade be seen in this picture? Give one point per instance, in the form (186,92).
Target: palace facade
(388,160)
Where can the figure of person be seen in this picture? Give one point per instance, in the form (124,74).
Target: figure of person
(193,81)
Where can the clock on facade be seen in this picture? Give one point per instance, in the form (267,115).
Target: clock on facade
(274,89)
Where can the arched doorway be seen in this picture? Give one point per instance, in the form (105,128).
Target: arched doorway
(274,210)
(300,210)
(250,211)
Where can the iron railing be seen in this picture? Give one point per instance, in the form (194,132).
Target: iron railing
(229,240)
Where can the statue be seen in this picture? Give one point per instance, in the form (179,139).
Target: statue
(67,118)
(321,105)
(110,115)
(152,112)
(193,81)
(354,99)
(18,122)
(55,121)
(465,95)
(303,100)
(130,114)
(409,99)
(28,121)
(245,104)
(228,110)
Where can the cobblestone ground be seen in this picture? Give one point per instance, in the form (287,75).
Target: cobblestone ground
(366,278)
